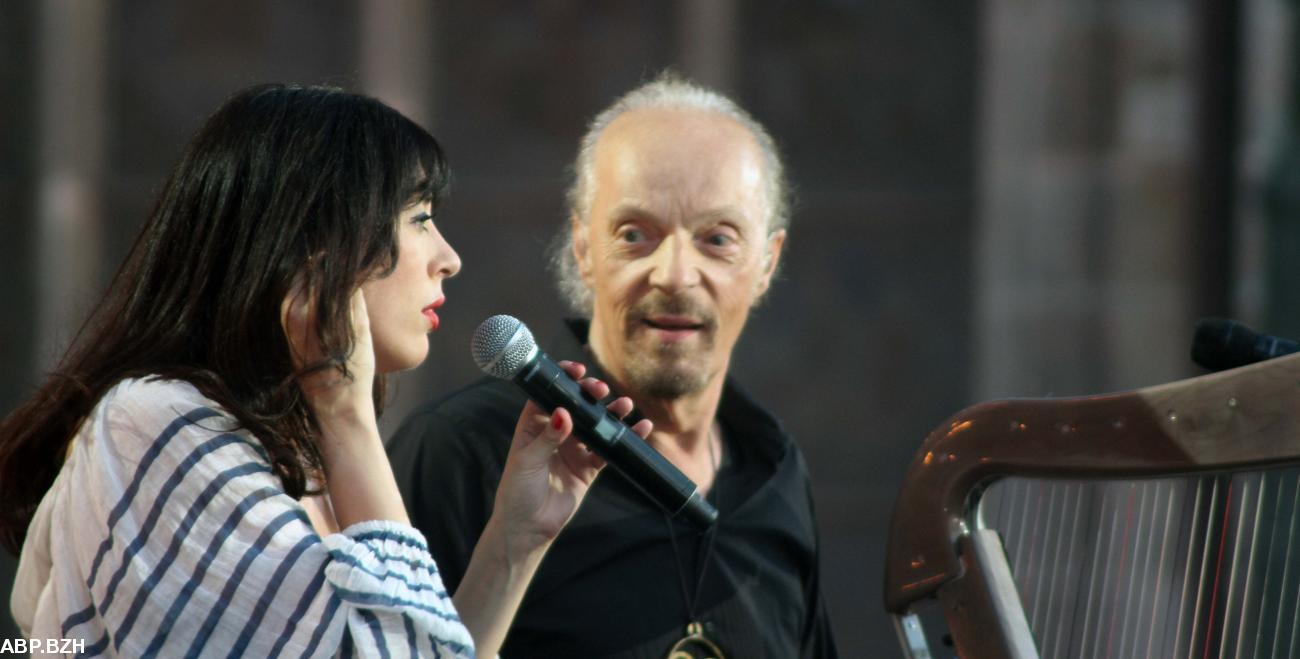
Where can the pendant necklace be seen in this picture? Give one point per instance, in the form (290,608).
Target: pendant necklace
(695,645)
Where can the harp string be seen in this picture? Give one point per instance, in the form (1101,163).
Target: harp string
(1248,600)
(1282,639)
(1137,625)
(1218,571)
(1187,600)
(1046,544)
(1137,572)
(1194,567)
(1159,601)
(1124,559)
(1059,630)
(1242,528)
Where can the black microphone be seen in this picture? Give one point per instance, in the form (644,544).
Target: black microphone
(1220,344)
(504,347)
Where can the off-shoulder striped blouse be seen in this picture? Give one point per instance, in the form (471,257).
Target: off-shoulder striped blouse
(167,534)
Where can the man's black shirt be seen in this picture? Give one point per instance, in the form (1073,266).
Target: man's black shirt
(611,584)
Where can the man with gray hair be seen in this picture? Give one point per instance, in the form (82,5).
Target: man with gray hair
(678,216)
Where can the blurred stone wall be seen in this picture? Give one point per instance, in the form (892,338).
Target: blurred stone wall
(1086,230)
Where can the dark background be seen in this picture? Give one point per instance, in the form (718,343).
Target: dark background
(1002,198)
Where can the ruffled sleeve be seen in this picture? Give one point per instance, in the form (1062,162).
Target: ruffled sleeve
(173,537)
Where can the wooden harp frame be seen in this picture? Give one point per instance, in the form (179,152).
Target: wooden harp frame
(1243,419)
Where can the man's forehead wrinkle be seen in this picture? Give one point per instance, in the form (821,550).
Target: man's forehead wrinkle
(684,166)
(652,184)
(662,168)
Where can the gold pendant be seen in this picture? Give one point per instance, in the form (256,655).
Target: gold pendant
(695,645)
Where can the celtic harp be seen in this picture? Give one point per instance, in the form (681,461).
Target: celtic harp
(1161,522)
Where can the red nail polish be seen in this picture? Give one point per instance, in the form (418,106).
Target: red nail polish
(556,421)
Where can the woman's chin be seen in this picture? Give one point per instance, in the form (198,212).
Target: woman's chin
(404,360)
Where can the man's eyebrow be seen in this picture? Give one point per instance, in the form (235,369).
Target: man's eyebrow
(727,212)
(628,209)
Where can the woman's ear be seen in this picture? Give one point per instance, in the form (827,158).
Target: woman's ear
(298,319)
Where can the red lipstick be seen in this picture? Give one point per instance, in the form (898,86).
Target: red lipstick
(430,312)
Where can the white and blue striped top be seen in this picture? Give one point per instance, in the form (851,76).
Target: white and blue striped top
(167,534)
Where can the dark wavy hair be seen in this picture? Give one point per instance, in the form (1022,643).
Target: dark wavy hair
(282,182)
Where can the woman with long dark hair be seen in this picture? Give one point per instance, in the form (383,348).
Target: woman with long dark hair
(203,473)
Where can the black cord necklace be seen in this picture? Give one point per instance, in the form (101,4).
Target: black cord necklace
(695,645)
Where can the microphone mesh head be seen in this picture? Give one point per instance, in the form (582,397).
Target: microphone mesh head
(502,345)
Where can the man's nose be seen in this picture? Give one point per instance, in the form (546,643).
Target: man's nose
(674,266)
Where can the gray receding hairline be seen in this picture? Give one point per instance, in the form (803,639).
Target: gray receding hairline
(667,91)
